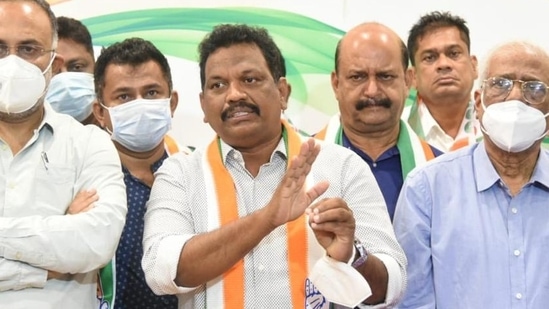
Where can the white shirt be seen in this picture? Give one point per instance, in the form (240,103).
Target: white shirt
(36,187)
(434,134)
(177,210)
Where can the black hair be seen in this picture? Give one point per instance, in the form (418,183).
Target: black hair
(434,21)
(132,51)
(72,29)
(226,35)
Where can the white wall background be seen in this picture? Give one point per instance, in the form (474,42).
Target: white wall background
(491,22)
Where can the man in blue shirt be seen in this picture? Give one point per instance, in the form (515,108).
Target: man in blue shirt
(135,104)
(474,223)
(371,85)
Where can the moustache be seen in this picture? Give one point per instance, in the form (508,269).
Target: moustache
(362,104)
(239,105)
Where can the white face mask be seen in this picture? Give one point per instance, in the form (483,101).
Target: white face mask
(513,125)
(72,93)
(21,84)
(140,125)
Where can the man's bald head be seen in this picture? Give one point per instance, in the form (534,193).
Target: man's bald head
(371,31)
(532,56)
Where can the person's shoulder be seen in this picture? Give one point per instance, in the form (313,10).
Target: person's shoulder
(187,160)
(335,151)
(456,159)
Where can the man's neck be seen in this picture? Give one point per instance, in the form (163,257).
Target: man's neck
(515,169)
(374,144)
(448,115)
(139,164)
(255,157)
(18,133)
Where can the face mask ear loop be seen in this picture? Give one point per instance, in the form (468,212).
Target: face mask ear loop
(484,110)
(108,109)
(50,63)
(44,72)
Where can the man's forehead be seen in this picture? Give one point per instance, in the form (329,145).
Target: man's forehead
(22,17)
(234,55)
(440,37)
(518,62)
(144,75)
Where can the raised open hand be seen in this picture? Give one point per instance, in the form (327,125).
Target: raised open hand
(292,196)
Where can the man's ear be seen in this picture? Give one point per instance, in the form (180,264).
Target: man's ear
(201,97)
(474,61)
(478,103)
(99,113)
(410,77)
(411,73)
(284,90)
(174,101)
(334,80)
(57,64)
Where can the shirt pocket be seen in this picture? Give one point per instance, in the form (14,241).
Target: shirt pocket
(54,189)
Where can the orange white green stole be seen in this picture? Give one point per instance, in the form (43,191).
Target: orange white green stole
(410,114)
(413,150)
(228,290)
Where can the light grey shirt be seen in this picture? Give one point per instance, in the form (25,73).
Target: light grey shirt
(37,186)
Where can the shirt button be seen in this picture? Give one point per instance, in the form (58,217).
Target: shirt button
(518,296)
(514,210)
(261,267)
(516,252)
(374,164)
(18,255)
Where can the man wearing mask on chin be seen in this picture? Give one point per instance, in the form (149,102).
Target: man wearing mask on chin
(71,90)
(478,216)
(48,258)
(135,104)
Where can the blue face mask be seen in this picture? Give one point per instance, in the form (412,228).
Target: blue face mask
(72,93)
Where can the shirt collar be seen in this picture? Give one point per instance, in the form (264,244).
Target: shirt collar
(428,123)
(486,175)
(154,167)
(228,152)
(541,170)
(387,154)
(431,126)
(50,120)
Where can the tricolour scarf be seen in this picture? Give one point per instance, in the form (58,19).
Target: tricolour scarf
(222,208)
(413,151)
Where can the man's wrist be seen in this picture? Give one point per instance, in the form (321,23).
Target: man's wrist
(361,255)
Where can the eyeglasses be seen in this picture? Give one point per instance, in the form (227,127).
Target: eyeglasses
(498,88)
(27,52)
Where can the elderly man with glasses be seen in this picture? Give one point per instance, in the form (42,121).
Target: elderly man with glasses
(474,223)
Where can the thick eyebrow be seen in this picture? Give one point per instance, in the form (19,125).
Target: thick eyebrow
(151,86)
(25,42)
(75,60)
(435,50)
(122,90)
(249,71)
